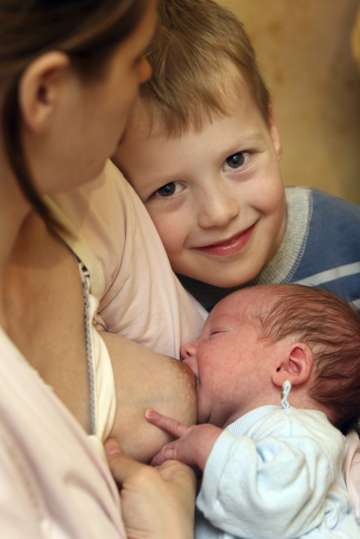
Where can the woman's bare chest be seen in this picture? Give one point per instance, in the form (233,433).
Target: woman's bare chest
(45,314)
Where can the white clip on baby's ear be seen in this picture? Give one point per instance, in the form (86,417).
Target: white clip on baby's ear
(286,388)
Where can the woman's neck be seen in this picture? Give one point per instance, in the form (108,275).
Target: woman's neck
(13,212)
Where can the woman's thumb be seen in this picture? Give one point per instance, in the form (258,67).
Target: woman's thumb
(112,448)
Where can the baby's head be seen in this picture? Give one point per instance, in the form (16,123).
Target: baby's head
(202,149)
(257,338)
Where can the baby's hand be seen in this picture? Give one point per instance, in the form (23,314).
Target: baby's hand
(192,445)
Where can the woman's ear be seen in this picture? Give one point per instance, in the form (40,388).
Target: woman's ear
(40,88)
(274,132)
(296,366)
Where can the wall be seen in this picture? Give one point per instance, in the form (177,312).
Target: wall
(303,49)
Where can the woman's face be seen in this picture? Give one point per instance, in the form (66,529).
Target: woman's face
(107,104)
(90,118)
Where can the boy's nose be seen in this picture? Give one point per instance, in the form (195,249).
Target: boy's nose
(218,210)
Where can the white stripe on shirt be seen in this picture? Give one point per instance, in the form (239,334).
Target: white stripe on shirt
(331,274)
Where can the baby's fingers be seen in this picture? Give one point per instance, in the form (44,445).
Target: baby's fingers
(167,452)
(168,424)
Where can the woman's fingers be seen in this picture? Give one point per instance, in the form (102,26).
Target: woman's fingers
(122,467)
(180,475)
(168,424)
(156,503)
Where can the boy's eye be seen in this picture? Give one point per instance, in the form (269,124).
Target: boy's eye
(237,160)
(168,190)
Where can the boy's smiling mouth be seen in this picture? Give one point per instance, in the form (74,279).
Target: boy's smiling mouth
(231,245)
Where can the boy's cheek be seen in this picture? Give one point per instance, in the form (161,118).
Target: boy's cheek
(171,231)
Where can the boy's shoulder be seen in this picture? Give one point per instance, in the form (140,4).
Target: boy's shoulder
(325,207)
(328,254)
(336,209)
(332,230)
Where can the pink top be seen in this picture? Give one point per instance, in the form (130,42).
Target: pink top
(140,297)
(53,483)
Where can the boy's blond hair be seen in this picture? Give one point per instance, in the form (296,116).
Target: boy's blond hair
(199,55)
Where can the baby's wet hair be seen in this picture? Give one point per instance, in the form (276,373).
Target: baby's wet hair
(331,328)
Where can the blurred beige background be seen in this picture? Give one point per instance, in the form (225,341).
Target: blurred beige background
(303,49)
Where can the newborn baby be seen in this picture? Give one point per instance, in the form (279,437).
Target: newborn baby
(278,386)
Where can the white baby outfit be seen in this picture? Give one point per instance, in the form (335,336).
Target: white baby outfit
(277,473)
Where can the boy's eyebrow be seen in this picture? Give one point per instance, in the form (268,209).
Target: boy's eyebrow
(244,142)
(252,137)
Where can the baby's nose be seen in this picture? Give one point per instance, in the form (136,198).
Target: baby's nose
(188,350)
(188,356)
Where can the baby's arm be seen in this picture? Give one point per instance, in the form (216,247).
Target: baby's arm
(192,445)
(275,483)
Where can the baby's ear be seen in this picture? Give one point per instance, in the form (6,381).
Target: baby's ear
(296,366)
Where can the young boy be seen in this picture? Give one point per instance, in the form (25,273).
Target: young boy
(278,370)
(202,150)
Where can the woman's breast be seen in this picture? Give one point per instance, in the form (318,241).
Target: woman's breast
(145,379)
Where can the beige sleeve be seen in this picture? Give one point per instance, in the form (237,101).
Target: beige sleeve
(107,226)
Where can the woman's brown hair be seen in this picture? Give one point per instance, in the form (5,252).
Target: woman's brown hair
(86,30)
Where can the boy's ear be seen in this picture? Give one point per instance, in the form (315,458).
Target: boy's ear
(274,132)
(296,366)
(40,87)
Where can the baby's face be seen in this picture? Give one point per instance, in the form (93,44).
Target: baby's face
(215,195)
(231,361)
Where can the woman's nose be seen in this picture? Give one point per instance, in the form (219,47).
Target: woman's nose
(218,209)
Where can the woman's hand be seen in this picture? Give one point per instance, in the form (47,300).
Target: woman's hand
(156,502)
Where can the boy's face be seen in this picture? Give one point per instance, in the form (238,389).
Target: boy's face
(215,196)
(232,363)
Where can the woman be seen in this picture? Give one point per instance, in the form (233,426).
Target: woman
(77,74)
